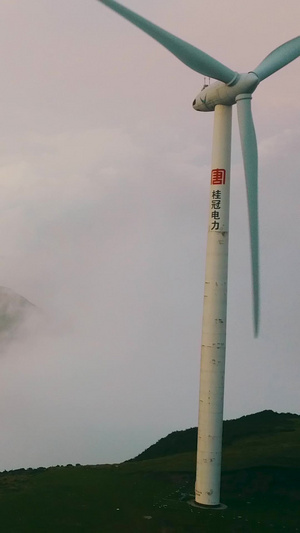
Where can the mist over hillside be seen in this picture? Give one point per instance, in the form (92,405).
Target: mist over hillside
(15,312)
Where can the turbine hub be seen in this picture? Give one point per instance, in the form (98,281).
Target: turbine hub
(220,93)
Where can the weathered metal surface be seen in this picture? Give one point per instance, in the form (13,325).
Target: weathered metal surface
(207,490)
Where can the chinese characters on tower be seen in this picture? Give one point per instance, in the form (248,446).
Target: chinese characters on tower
(218,177)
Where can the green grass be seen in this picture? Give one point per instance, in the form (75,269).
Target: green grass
(281,448)
(260,485)
(112,499)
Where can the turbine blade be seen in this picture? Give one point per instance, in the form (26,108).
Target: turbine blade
(185,52)
(277,59)
(249,150)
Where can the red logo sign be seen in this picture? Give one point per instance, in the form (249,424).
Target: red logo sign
(218,176)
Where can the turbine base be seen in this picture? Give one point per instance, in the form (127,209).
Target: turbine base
(219,507)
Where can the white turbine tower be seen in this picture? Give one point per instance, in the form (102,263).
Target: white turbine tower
(232,88)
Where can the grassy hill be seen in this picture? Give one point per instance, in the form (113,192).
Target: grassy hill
(260,485)
(270,438)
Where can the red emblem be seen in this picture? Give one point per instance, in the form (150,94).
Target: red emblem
(218,176)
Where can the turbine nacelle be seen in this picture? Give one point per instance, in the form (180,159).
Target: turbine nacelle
(219,93)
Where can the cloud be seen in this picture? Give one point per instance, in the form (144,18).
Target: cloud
(283,143)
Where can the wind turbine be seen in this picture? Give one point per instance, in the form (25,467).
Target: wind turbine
(231,88)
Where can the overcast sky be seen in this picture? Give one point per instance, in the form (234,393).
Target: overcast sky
(105,171)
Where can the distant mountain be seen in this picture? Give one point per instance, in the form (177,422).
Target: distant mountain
(14,309)
(264,424)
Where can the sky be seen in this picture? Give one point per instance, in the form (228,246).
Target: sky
(105,170)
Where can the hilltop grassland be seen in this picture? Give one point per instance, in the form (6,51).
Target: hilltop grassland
(260,486)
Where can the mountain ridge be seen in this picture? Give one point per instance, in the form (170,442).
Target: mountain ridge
(264,423)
